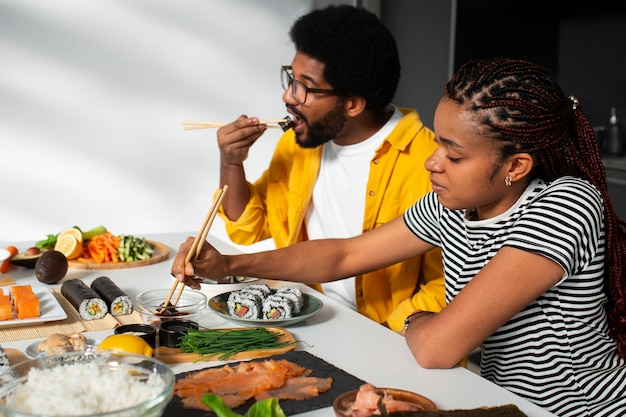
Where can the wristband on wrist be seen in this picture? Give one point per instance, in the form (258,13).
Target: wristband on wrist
(413,316)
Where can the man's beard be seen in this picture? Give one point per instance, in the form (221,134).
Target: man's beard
(325,129)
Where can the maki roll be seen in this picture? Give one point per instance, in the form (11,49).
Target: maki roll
(295,295)
(4,360)
(85,300)
(261,290)
(277,307)
(245,305)
(118,302)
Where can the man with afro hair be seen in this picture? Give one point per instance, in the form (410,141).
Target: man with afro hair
(349,162)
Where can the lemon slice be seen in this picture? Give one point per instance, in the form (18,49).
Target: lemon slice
(69,246)
(128,343)
(72,232)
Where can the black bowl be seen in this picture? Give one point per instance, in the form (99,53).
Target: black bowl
(145,331)
(171,331)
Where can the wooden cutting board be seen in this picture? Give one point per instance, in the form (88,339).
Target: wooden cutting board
(174,355)
(161,253)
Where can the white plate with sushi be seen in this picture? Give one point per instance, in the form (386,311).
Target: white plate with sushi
(311,305)
(49,309)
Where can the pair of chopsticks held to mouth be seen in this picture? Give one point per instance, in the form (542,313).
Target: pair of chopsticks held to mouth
(284,124)
(196,247)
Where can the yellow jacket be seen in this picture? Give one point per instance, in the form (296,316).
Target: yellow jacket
(279,199)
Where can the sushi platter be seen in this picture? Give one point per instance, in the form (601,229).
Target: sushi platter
(174,355)
(50,310)
(161,253)
(312,305)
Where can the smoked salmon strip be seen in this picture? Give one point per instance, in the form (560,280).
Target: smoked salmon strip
(256,380)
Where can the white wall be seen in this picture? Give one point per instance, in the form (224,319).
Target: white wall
(92,93)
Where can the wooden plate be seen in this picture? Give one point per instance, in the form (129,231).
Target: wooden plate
(343,403)
(174,355)
(161,253)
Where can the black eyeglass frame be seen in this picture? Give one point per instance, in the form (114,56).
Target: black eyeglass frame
(285,69)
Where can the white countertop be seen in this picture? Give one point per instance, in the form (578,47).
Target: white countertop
(336,334)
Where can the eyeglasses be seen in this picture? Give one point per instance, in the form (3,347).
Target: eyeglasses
(299,90)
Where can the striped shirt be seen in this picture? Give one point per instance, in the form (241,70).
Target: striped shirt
(556,352)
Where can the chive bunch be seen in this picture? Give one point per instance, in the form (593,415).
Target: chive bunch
(228,342)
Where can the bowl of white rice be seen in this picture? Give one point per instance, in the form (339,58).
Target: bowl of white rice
(87,383)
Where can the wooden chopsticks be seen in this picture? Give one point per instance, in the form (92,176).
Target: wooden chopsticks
(189,125)
(6,281)
(196,246)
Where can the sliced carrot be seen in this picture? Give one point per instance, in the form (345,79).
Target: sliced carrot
(102,248)
(6,264)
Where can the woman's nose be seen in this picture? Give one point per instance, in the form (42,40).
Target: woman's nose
(432,164)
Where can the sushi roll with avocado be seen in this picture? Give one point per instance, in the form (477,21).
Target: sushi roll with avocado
(295,295)
(261,290)
(85,300)
(245,305)
(4,360)
(277,307)
(118,302)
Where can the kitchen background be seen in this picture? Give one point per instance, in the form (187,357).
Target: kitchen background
(92,93)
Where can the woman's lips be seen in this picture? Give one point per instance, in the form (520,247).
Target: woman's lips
(436,187)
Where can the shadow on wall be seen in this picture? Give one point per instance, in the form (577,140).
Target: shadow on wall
(93,94)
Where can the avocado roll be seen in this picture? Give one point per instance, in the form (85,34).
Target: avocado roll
(118,302)
(262,290)
(4,360)
(85,300)
(295,295)
(244,305)
(277,307)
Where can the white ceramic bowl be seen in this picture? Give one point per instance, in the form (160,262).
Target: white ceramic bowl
(190,305)
(149,378)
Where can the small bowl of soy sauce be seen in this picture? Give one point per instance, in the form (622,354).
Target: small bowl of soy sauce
(146,331)
(152,308)
(171,332)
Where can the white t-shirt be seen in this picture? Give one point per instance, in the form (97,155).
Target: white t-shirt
(338,203)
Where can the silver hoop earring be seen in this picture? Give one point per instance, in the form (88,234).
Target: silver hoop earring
(508,181)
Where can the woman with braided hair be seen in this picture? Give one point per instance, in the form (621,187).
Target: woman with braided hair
(533,251)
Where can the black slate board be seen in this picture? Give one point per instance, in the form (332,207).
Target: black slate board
(342,382)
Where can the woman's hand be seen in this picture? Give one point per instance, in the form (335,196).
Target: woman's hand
(208,264)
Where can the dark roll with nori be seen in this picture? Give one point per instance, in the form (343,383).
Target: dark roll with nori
(118,302)
(85,300)
(507,410)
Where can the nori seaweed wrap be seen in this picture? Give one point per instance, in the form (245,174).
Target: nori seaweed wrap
(295,295)
(118,302)
(85,300)
(245,305)
(277,307)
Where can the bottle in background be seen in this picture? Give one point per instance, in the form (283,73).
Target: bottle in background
(614,140)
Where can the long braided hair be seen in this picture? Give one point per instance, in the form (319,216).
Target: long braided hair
(522,105)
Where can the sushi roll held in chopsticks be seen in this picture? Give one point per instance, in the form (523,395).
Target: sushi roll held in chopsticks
(85,300)
(118,302)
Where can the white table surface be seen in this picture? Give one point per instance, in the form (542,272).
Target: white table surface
(336,334)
